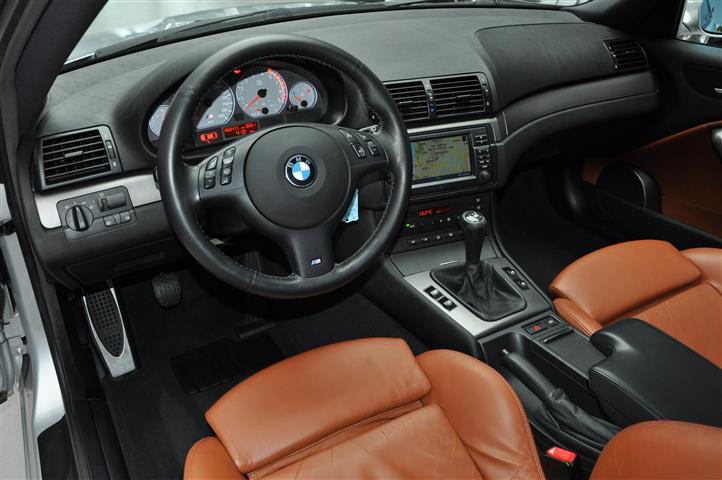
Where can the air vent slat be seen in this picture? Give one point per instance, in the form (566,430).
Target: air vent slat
(628,55)
(411,99)
(73,156)
(458,95)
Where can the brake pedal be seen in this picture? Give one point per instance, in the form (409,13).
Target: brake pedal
(167,289)
(109,334)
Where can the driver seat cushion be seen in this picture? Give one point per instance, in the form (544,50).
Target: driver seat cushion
(368,409)
(680,293)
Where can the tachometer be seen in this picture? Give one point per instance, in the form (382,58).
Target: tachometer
(303,95)
(216,108)
(263,93)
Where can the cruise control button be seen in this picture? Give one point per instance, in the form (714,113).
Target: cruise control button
(227,161)
(373,148)
(230,152)
(212,163)
(349,136)
(360,152)
(209,173)
(226,180)
(227,171)
(209,183)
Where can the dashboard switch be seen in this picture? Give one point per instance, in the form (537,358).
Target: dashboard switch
(360,152)
(375,152)
(112,201)
(79,218)
(109,221)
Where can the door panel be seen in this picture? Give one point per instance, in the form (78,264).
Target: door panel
(688,172)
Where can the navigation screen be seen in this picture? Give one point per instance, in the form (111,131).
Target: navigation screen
(441,158)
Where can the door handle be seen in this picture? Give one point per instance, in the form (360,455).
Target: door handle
(717,141)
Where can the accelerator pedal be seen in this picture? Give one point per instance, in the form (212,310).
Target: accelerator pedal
(167,289)
(109,334)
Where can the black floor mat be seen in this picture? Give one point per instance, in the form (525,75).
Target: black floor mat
(156,420)
(536,235)
(223,361)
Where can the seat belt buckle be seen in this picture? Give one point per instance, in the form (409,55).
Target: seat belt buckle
(560,455)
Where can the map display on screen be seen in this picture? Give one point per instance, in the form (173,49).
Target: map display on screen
(441,158)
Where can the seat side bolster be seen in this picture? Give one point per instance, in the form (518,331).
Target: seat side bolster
(709,262)
(662,450)
(209,459)
(576,317)
(621,278)
(485,413)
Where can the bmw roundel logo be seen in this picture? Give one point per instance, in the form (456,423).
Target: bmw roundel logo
(300,171)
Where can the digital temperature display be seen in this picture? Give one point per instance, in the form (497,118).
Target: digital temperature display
(240,130)
(434,211)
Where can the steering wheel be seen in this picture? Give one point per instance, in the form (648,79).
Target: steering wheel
(292,183)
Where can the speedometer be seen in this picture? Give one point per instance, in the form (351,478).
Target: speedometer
(216,108)
(262,93)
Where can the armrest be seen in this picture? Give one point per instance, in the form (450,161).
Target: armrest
(649,375)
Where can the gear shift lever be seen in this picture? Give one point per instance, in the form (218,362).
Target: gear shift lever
(477,284)
(475,227)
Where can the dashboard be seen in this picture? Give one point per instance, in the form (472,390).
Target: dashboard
(248,99)
(541,88)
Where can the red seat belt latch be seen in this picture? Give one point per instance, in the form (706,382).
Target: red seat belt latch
(561,455)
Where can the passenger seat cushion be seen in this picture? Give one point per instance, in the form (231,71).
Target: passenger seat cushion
(709,261)
(306,398)
(615,280)
(662,451)
(485,413)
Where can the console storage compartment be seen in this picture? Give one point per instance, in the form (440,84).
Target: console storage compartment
(649,375)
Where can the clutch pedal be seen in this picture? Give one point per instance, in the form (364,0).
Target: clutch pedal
(109,334)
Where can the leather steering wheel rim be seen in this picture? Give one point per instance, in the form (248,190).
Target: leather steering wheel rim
(182,197)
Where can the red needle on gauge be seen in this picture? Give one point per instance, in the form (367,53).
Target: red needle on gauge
(258,97)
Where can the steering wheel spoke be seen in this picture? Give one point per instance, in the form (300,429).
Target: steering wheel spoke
(365,153)
(310,251)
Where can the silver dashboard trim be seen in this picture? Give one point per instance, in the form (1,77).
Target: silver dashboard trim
(141,188)
(449,126)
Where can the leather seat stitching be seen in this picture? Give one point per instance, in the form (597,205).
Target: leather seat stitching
(569,317)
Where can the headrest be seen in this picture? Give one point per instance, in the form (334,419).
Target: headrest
(621,278)
(305,398)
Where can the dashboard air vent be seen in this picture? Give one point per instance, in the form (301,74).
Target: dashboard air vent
(627,54)
(411,99)
(77,155)
(458,95)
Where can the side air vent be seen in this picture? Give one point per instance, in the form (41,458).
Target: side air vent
(411,99)
(458,95)
(628,55)
(73,156)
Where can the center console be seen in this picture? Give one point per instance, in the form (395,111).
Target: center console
(455,169)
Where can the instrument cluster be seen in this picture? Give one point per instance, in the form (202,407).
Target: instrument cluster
(248,99)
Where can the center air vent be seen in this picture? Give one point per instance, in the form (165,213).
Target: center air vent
(74,156)
(627,54)
(458,95)
(411,99)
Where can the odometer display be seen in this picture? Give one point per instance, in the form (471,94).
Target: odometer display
(262,93)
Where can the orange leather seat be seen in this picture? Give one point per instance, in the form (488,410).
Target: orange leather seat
(368,409)
(678,292)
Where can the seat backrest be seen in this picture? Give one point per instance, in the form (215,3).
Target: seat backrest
(622,278)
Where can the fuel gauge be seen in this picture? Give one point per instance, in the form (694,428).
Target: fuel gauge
(303,95)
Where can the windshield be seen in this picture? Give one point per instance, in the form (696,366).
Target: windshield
(121,20)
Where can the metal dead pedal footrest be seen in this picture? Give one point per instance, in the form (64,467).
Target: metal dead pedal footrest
(106,324)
